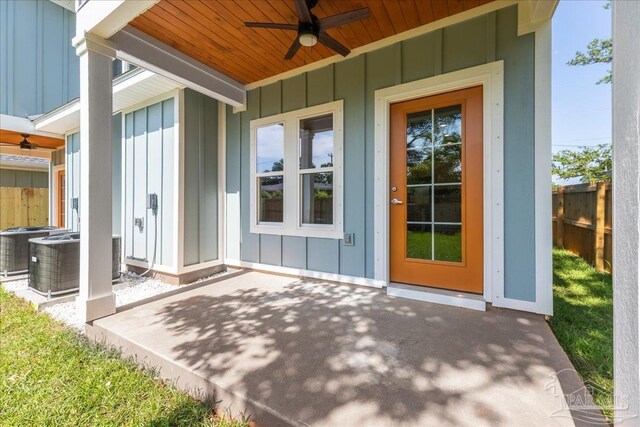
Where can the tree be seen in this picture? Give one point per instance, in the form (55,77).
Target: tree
(599,51)
(590,164)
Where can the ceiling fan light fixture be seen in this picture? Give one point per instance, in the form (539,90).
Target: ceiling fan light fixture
(308,39)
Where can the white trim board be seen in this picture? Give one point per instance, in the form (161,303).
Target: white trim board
(332,277)
(437,296)
(490,77)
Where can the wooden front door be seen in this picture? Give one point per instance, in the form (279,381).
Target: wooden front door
(435,192)
(61,198)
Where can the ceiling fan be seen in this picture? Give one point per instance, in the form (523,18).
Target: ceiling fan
(25,144)
(312,30)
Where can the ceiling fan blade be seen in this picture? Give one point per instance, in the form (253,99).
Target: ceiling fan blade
(293,49)
(272,25)
(343,18)
(333,44)
(303,11)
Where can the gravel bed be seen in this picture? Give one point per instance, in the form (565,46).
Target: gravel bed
(15,285)
(138,288)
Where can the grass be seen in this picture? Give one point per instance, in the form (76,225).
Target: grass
(447,246)
(52,376)
(583,322)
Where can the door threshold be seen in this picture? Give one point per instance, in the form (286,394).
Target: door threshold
(437,296)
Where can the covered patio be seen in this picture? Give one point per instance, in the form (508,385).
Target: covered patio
(290,351)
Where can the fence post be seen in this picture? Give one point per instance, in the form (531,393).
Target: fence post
(560,219)
(599,232)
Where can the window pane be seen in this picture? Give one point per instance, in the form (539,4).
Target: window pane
(316,142)
(419,204)
(448,164)
(419,146)
(317,198)
(448,203)
(448,243)
(448,125)
(270,148)
(271,203)
(419,241)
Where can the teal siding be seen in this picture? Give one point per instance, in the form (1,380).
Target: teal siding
(39,69)
(148,160)
(23,178)
(72,176)
(484,39)
(201,179)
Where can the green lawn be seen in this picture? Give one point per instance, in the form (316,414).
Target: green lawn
(52,376)
(447,246)
(583,321)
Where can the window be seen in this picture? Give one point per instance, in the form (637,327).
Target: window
(296,175)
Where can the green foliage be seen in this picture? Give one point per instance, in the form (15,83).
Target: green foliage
(52,376)
(591,164)
(599,51)
(583,322)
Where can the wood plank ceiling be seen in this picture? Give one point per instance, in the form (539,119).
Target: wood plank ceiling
(213,31)
(14,138)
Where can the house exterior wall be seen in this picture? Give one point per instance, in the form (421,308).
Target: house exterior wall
(39,69)
(149,143)
(474,42)
(72,175)
(23,178)
(201,178)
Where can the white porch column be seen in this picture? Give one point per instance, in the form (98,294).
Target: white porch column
(626,210)
(96,298)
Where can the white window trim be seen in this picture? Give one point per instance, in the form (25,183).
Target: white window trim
(292,224)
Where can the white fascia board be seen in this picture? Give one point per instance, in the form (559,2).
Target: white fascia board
(533,13)
(138,48)
(132,88)
(104,18)
(24,125)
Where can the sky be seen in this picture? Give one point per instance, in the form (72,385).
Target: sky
(581,109)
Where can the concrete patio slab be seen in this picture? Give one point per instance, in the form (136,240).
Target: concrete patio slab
(291,351)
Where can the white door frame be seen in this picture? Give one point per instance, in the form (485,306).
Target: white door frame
(490,77)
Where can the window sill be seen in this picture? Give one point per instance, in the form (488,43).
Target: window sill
(316,232)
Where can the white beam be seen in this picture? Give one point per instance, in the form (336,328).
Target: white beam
(24,125)
(626,211)
(138,48)
(95,298)
(104,18)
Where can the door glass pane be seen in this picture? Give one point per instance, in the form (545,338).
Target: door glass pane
(419,204)
(271,191)
(447,243)
(448,125)
(447,203)
(419,244)
(270,148)
(317,198)
(316,142)
(434,210)
(448,164)
(419,147)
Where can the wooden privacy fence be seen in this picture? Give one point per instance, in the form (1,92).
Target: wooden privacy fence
(23,207)
(582,222)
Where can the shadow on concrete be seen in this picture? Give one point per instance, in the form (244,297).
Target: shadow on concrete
(330,354)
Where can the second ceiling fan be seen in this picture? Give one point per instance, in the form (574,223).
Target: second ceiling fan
(312,30)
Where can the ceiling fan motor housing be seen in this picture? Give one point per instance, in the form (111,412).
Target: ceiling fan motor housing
(308,33)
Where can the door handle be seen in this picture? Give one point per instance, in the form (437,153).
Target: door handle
(395,201)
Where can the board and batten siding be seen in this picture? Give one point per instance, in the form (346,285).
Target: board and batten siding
(39,68)
(149,144)
(19,178)
(474,42)
(200,178)
(72,176)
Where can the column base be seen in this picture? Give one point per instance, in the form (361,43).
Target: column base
(96,308)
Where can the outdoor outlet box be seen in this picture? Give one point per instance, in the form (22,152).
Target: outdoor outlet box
(75,203)
(139,222)
(348,239)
